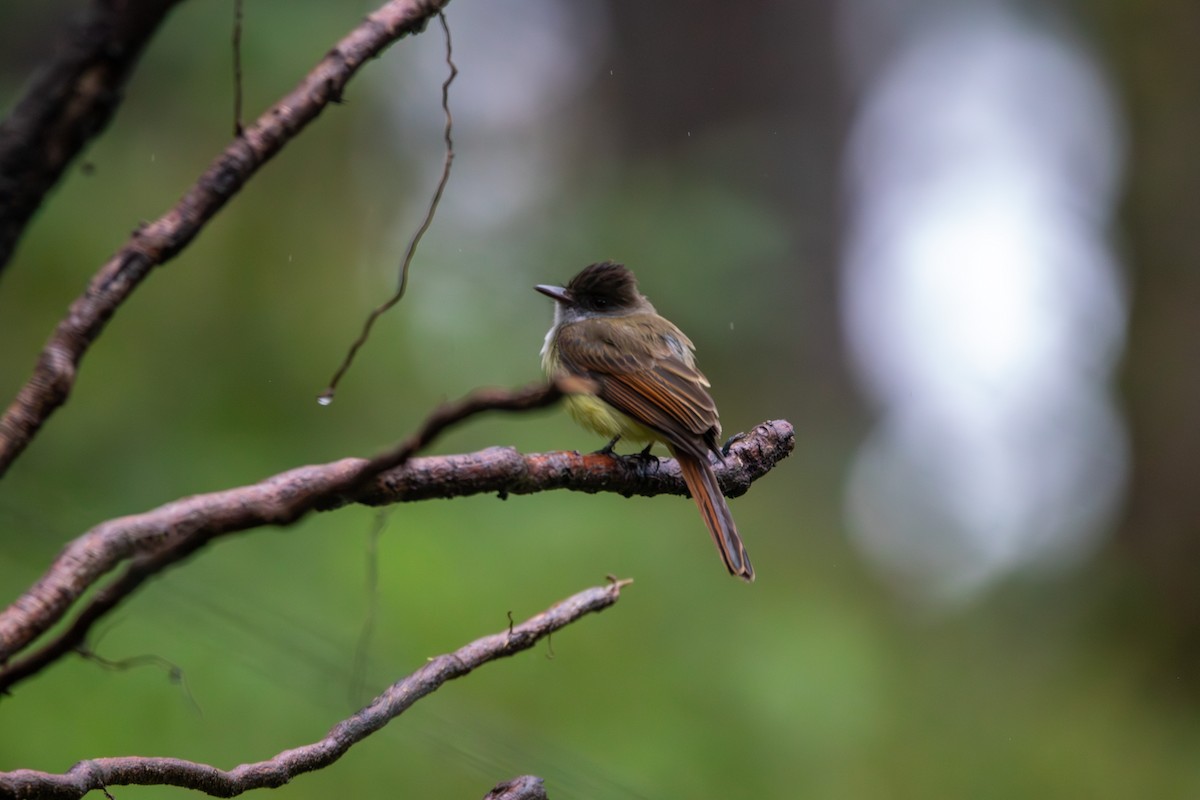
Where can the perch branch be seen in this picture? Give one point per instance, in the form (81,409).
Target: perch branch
(67,103)
(192,522)
(157,242)
(101,773)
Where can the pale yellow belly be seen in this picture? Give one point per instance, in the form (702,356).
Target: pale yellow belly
(596,415)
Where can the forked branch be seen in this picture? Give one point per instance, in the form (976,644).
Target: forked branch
(153,541)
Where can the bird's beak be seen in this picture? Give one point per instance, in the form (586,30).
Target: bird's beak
(556,292)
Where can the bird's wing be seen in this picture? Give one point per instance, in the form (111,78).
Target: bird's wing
(646,374)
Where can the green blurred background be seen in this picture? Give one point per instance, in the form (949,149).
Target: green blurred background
(704,146)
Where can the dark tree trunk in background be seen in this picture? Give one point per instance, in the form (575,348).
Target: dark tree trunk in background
(1157,62)
(790,122)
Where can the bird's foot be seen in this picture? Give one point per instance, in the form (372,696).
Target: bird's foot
(607,450)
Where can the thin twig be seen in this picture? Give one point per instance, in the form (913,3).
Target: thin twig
(157,242)
(134,770)
(326,397)
(174,672)
(362,647)
(237,67)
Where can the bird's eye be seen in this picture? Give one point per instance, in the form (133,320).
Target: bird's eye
(602,302)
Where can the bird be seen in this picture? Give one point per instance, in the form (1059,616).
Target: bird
(646,386)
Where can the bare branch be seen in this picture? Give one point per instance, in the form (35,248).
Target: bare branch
(67,103)
(526,787)
(159,241)
(101,773)
(164,536)
(159,538)
(504,471)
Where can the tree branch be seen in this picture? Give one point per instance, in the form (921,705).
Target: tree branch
(69,101)
(162,537)
(526,787)
(100,773)
(159,241)
(504,471)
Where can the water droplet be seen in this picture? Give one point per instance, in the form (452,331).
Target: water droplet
(325,398)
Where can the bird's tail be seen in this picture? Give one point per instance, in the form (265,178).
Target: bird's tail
(702,482)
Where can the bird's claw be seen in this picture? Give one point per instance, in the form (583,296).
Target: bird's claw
(737,437)
(643,460)
(607,450)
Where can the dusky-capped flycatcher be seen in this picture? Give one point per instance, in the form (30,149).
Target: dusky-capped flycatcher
(648,387)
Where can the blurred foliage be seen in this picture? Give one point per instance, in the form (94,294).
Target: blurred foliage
(815,682)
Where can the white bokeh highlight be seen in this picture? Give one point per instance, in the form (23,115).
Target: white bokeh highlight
(983,303)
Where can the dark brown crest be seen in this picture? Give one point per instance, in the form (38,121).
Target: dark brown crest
(604,286)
